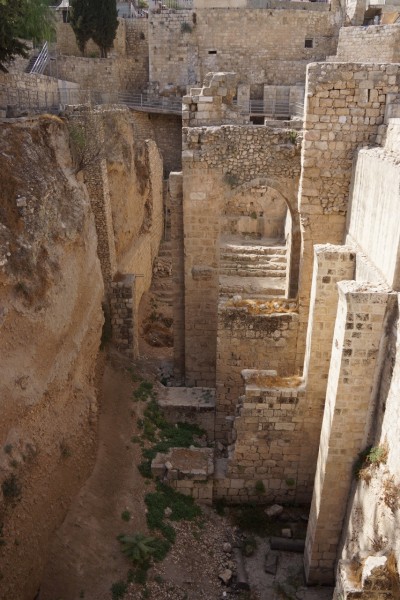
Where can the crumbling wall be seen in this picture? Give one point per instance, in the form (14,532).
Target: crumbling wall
(249,341)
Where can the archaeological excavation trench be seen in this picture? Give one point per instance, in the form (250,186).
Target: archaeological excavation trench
(199,322)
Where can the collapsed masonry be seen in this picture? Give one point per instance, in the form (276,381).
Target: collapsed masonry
(297,362)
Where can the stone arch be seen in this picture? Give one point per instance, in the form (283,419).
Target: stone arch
(287,191)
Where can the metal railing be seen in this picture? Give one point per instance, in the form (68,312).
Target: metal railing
(36,100)
(42,60)
(148,103)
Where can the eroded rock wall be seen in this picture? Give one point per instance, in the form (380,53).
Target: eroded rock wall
(50,319)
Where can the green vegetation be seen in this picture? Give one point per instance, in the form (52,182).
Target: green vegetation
(126,515)
(259,487)
(186,27)
(118,590)
(8,448)
(95,20)
(372,456)
(163,435)
(23,20)
(143,392)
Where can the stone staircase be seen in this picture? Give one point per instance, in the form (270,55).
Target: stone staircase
(253,268)
(162,284)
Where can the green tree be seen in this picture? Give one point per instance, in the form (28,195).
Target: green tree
(105,24)
(26,19)
(82,21)
(38,22)
(11,14)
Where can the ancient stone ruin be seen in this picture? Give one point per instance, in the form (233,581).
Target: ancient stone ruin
(244,160)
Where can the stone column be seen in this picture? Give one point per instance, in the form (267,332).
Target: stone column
(178,273)
(331,265)
(350,391)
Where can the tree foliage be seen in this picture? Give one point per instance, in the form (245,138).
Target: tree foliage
(106,24)
(95,19)
(22,20)
(82,21)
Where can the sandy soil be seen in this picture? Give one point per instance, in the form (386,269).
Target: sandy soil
(85,557)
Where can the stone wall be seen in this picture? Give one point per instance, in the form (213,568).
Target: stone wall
(261,46)
(166,131)
(345,107)
(269,437)
(247,341)
(32,91)
(374,201)
(217,161)
(124,330)
(130,40)
(111,75)
(358,353)
(375,44)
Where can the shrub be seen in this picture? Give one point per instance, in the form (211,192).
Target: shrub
(118,590)
(186,27)
(11,488)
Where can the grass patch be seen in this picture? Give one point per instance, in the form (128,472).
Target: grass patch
(163,436)
(126,515)
(143,392)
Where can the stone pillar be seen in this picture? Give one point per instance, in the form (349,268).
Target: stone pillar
(331,265)
(124,326)
(178,272)
(350,391)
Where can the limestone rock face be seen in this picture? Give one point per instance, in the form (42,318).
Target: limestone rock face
(50,325)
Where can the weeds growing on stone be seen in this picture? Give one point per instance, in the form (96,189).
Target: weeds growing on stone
(368,459)
(391,493)
(163,435)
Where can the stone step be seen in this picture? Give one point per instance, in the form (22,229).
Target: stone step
(266,258)
(251,287)
(258,250)
(256,264)
(252,272)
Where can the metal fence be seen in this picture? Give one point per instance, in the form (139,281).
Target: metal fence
(36,100)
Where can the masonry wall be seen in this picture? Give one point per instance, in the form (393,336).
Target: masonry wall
(166,131)
(345,107)
(269,438)
(374,203)
(357,357)
(31,90)
(247,341)
(216,161)
(377,43)
(261,46)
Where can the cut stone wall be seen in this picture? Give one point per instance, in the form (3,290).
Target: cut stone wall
(345,107)
(375,198)
(356,360)
(247,341)
(216,162)
(375,44)
(108,75)
(178,273)
(261,46)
